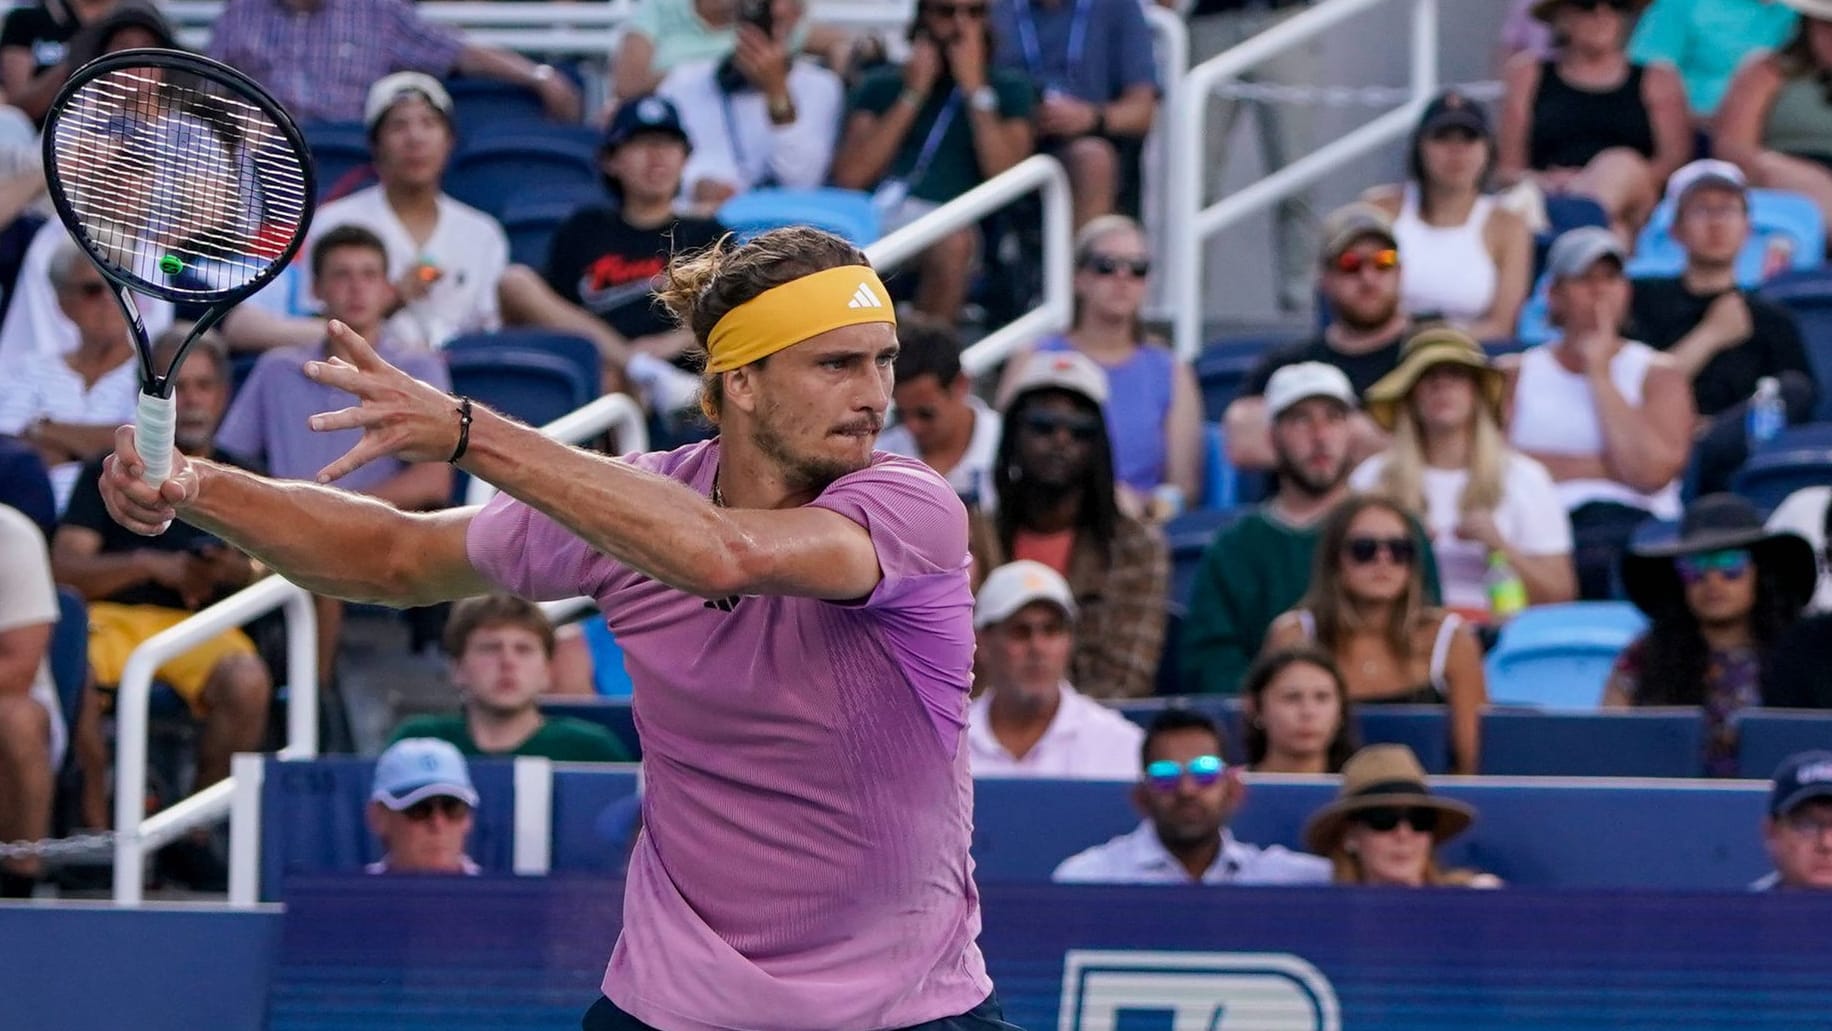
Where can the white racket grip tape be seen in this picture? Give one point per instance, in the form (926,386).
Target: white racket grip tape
(154,422)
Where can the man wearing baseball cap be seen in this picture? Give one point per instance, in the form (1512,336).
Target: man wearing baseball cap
(1029,721)
(1054,501)
(1725,339)
(1610,418)
(1798,830)
(605,256)
(1359,278)
(1260,566)
(420,808)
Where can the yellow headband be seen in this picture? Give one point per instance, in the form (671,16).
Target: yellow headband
(783,316)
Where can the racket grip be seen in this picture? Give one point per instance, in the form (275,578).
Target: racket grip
(154,422)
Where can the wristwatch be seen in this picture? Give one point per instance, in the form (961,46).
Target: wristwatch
(782,110)
(983,99)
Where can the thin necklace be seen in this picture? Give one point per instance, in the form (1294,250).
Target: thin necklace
(718,499)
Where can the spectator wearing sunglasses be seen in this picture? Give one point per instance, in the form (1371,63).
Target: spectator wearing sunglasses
(1798,830)
(1186,796)
(1155,416)
(1366,607)
(1260,565)
(1717,597)
(1055,502)
(1451,467)
(1296,712)
(1775,121)
(1359,278)
(421,807)
(1799,673)
(1610,418)
(939,420)
(1385,825)
(1590,121)
(923,133)
(1468,260)
(1029,721)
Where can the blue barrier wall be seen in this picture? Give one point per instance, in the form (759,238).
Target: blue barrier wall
(506,953)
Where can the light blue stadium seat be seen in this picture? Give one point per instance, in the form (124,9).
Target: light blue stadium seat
(1797,457)
(1559,656)
(1774,215)
(845,213)
(609,676)
(1220,480)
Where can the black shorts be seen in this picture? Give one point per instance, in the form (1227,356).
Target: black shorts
(605,1016)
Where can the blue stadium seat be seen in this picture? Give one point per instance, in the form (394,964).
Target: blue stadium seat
(613,714)
(1220,480)
(482,106)
(1767,736)
(844,213)
(1642,743)
(338,149)
(1188,536)
(1224,364)
(533,386)
(1797,457)
(593,813)
(1774,215)
(1559,656)
(609,676)
(581,353)
(1423,728)
(1808,296)
(530,227)
(487,173)
(70,653)
(1565,211)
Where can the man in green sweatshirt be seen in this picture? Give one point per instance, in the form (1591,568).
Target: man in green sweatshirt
(1260,566)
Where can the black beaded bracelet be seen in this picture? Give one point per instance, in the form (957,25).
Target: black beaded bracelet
(464,429)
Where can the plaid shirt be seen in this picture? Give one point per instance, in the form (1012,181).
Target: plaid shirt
(319,64)
(1123,598)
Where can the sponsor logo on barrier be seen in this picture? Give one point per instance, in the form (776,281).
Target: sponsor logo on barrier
(1187,991)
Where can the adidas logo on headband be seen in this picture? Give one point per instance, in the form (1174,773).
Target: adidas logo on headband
(864,298)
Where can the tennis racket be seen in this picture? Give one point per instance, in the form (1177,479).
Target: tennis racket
(182,180)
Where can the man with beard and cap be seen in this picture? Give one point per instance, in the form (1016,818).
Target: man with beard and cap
(1359,278)
(781,575)
(1260,566)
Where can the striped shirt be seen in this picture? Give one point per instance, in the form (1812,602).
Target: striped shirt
(319,63)
(46,387)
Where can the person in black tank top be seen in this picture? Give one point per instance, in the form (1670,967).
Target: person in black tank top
(1590,122)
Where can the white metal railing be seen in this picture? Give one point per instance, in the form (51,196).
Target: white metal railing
(609,412)
(1052,315)
(1193,224)
(137,834)
(1171,39)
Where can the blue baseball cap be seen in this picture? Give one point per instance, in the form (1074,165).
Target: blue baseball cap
(648,114)
(1801,777)
(418,768)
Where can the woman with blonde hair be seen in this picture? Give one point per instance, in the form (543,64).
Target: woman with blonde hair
(1366,609)
(1451,467)
(1154,415)
(1385,825)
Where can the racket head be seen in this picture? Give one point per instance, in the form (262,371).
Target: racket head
(181,177)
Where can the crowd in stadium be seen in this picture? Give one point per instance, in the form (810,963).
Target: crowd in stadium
(1403,482)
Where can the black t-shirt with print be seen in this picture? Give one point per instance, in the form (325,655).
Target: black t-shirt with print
(88,511)
(608,266)
(1664,311)
(1363,370)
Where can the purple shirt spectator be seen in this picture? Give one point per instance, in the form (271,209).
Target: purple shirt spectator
(319,63)
(1140,391)
(804,861)
(266,424)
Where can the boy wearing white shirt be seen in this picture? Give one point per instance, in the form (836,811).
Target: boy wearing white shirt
(1030,722)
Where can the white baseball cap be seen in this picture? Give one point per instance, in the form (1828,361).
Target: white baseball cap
(1705,172)
(1015,585)
(1060,370)
(1305,380)
(418,768)
(390,90)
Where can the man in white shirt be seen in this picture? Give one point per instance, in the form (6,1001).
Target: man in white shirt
(1187,795)
(1029,722)
(36,322)
(757,117)
(32,732)
(939,420)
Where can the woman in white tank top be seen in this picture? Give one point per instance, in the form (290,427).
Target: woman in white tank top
(1463,258)
(1610,419)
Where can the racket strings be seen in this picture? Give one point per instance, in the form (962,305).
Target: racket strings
(188,188)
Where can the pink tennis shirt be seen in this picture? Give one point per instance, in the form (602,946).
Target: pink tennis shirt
(807,805)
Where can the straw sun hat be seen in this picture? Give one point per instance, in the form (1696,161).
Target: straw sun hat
(1380,777)
(1433,347)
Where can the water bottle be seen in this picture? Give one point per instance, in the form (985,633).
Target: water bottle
(1507,593)
(1767,412)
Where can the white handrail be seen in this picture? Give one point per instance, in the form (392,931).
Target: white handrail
(1190,232)
(608,412)
(136,835)
(1172,52)
(1053,314)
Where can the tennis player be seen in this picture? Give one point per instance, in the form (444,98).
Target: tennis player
(794,612)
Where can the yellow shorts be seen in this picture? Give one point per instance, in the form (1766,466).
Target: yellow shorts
(116,630)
